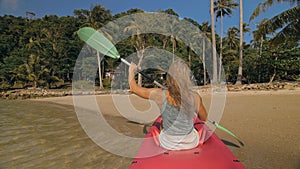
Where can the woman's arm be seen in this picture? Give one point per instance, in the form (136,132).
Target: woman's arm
(201,111)
(146,93)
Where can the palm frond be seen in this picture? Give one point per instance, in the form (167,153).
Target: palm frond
(289,33)
(264,6)
(279,21)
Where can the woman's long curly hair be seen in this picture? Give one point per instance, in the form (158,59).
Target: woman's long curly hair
(180,85)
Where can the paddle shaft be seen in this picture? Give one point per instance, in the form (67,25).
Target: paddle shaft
(143,74)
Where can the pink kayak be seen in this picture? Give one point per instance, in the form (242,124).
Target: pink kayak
(213,154)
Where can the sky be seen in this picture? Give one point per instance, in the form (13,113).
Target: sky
(198,10)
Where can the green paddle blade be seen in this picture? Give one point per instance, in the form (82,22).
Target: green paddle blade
(98,41)
(227,131)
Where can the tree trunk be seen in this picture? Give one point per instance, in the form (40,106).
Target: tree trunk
(165,43)
(34,84)
(275,71)
(259,62)
(189,52)
(221,46)
(240,71)
(140,55)
(214,52)
(99,69)
(203,61)
(173,46)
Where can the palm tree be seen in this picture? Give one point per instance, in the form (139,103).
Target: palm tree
(259,36)
(33,72)
(95,18)
(206,30)
(190,44)
(231,41)
(137,40)
(213,38)
(286,22)
(285,26)
(246,28)
(231,44)
(240,70)
(42,43)
(223,8)
(172,37)
(174,42)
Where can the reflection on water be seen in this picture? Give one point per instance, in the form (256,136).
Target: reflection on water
(46,135)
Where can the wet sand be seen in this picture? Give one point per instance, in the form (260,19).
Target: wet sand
(267,121)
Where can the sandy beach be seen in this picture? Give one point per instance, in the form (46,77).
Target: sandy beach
(267,122)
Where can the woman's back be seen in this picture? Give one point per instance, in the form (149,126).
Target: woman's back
(176,121)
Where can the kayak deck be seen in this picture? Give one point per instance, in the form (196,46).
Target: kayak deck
(213,154)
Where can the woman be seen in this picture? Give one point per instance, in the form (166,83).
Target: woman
(178,105)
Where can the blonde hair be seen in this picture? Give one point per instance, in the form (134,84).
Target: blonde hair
(179,84)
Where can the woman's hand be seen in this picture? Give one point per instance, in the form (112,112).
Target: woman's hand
(146,93)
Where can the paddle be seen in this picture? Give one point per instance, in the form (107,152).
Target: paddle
(227,131)
(99,42)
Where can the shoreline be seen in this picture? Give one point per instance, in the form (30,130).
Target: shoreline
(206,95)
(259,88)
(68,100)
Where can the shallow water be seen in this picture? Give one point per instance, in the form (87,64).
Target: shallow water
(47,135)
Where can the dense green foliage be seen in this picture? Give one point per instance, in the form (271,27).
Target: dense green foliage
(37,52)
(41,52)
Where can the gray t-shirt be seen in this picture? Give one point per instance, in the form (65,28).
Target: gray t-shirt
(176,122)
